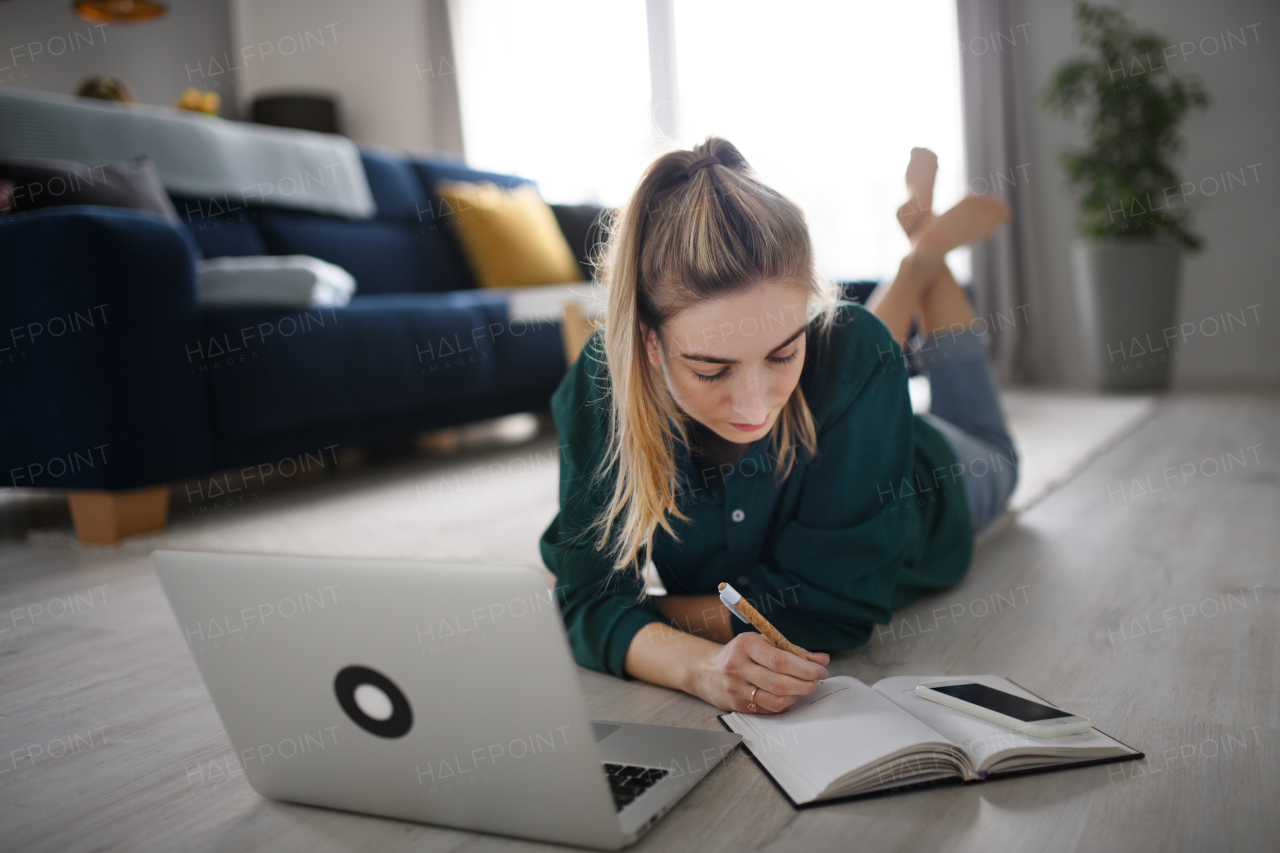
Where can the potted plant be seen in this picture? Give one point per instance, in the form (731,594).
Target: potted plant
(1133,219)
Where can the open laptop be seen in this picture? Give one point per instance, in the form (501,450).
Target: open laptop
(430,692)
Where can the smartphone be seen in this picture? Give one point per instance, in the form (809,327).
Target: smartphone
(1014,712)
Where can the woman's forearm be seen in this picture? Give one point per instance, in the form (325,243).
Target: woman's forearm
(664,655)
(701,615)
(673,657)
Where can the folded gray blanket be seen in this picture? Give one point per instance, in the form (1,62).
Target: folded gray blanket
(195,154)
(278,281)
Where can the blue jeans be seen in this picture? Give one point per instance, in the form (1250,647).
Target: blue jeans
(965,408)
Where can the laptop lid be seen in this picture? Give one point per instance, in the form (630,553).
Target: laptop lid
(441,693)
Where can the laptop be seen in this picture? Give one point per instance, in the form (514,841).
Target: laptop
(431,692)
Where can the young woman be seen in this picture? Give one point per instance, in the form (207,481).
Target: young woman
(734,422)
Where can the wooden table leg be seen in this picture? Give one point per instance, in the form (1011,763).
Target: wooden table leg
(104,518)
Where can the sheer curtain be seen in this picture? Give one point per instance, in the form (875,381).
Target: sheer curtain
(996,139)
(825,99)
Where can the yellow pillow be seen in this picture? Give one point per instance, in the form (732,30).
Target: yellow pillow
(510,236)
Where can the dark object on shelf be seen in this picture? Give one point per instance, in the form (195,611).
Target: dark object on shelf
(104,87)
(305,112)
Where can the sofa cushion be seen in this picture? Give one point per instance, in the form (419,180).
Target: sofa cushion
(395,186)
(432,170)
(510,236)
(271,370)
(401,250)
(384,255)
(222,226)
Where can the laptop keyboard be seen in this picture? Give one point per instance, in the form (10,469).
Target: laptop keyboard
(628,782)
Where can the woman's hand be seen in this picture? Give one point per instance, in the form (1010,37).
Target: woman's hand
(726,677)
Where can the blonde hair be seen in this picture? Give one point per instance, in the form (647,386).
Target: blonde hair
(687,236)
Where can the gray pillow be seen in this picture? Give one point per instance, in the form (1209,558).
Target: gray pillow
(132,184)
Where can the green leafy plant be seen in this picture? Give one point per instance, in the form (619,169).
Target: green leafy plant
(1132,105)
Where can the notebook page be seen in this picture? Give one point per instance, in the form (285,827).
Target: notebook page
(841,727)
(982,739)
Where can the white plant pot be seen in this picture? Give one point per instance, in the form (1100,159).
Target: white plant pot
(1127,294)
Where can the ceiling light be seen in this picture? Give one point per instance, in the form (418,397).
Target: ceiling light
(119,11)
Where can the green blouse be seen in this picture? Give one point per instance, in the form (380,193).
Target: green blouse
(875,520)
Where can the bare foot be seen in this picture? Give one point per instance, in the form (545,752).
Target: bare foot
(922,170)
(921,173)
(973,218)
(913,218)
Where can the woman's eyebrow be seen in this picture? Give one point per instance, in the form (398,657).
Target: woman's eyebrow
(714,359)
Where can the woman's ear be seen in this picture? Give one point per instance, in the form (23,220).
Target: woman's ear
(652,346)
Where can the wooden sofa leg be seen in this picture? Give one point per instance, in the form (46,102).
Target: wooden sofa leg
(104,518)
(575,328)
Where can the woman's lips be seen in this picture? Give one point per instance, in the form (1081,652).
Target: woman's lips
(748,427)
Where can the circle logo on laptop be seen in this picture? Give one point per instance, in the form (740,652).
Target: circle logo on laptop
(373,701)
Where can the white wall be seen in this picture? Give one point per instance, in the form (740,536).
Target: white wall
(1238,267)
(372,56)
(44,46)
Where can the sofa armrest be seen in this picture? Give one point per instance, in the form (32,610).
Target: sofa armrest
(97,308)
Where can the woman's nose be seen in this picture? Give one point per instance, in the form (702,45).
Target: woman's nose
(749,402)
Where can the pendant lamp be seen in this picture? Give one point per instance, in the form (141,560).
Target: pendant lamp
(119,11)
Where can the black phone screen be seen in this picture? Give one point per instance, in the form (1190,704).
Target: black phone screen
(1001,702)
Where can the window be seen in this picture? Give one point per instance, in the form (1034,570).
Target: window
(825,99)
(556,91)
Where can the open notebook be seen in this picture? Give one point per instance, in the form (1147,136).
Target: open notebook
(846,739)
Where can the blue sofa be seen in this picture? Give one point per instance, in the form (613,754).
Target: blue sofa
(113,377)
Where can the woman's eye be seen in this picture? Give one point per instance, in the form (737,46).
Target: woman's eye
(711,377)
(783,359)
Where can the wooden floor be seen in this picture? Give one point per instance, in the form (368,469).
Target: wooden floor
(1154,613)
